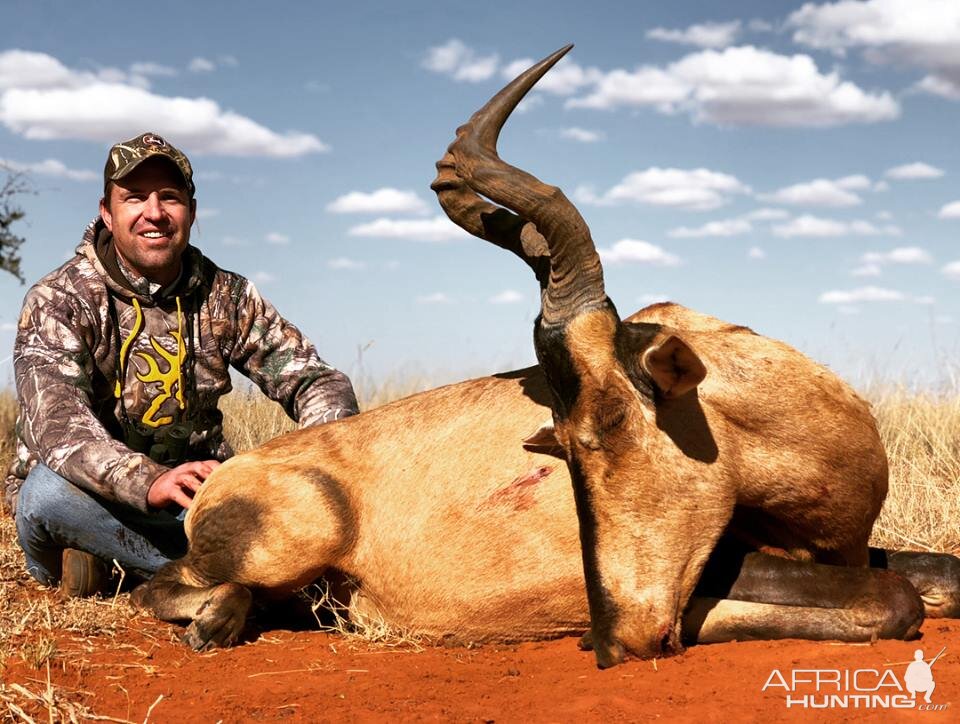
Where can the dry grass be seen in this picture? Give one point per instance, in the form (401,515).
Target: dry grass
(250,419)
(332,616)
(921,432)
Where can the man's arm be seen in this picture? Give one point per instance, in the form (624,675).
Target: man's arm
(284,364)
(53,364)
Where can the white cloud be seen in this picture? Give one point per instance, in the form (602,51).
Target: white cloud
(25,69)
(233,241)
(755,252)
(565,78)
(507,296)
(344,263)
(460,62)
(201,65)
(206,212)
(8,327)
(382,201)
(952,270)
(699,189)
(926,299)
(646,86)
(275,237)
(438,228)
(900,255)
(152,69)
(704,35)
(725,227)
(529,103)
(950,211)
(854,181)
(918,33)
(742,86)
(767,215)
(759,25)
(262,277)
(434,298)
(884,215)
(633,251)
(810,226)
(910,171)
(867,270)
(581,134)
(41,99)
(50,167)
(820,192)
(937,86)
(815,226)
(861,294)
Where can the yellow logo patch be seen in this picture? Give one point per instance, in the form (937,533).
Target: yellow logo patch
(167,379)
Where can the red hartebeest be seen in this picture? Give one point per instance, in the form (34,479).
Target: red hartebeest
(693,447)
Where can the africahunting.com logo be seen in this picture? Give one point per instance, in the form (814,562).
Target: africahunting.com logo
(897,685)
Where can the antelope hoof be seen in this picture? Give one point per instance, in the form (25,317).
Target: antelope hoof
(586,642)
(220,619)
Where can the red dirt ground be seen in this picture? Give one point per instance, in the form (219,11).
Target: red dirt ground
(312,676)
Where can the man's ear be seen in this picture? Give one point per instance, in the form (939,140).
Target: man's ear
(193,211)
(674,367)
(106,215)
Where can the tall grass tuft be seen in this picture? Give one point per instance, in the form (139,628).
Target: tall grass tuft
(921,433)
(250,419)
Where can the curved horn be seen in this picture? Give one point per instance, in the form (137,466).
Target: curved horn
(576,277)
(479,217)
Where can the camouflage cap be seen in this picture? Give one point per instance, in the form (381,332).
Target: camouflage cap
(127,155)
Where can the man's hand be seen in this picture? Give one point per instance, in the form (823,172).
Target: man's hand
(179,484)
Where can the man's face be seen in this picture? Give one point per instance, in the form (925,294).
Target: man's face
(150,214)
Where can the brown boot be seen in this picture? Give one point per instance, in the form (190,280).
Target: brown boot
(83,574)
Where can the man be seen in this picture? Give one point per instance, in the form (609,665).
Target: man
(120,358)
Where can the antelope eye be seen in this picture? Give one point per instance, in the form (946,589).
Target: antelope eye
(611,414)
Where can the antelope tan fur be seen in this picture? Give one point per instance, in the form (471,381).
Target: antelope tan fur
(450,512)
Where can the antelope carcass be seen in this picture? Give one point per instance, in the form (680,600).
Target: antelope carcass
(451,511)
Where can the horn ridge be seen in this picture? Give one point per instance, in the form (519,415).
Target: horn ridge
(576,276)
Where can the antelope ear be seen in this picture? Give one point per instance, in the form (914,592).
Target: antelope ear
(544,440)
(674,367)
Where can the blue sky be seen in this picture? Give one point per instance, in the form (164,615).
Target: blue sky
(791,167)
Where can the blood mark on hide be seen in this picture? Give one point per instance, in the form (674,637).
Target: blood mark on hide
(519,492)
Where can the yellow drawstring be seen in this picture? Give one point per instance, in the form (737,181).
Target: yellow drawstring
(137,326)
(181,354)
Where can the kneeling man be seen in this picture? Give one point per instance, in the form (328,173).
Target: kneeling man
(121,356)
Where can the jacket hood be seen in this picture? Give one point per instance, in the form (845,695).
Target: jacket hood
(98,247)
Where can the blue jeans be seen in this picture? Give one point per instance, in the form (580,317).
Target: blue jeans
(53,514)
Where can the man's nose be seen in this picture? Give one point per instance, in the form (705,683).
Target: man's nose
(152,208)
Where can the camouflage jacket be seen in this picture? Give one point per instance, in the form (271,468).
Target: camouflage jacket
(96,354)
